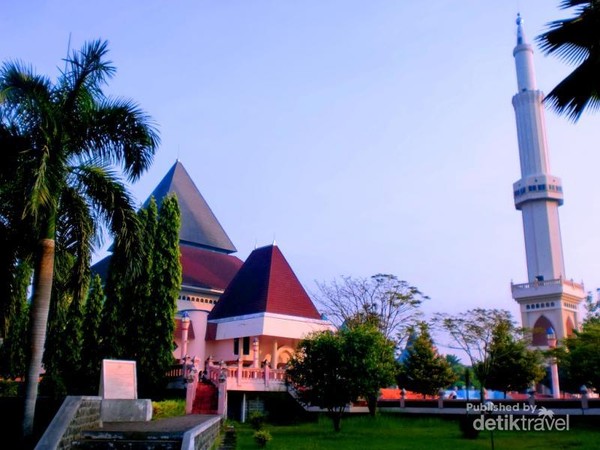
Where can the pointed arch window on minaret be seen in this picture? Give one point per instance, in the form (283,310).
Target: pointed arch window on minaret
(540,335)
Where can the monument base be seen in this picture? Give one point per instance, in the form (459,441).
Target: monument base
(117,410)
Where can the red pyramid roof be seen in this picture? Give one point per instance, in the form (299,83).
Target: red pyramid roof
(207,269)
(265,283)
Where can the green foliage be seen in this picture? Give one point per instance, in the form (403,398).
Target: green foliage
(257,420)
(9,388)
(330,370)
(53,385)
(371,357)
(318,372)
(592,308)
(61,142)
(13,352)
(62,357)
(458,368)
(579,358)
(146,300)
(423,370)
(166,278)
(168,408)
(472,332)
(511,365)
(575,41)
(91,358)
(261,437)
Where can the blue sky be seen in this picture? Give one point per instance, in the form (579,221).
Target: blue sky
(364,136)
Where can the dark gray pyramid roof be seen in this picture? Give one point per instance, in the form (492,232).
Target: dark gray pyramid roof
(199,226)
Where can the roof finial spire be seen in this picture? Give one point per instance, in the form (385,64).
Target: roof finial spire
(520,32)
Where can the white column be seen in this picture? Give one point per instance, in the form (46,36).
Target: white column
(274,356)
(185,327)
(255,353)
(243,414)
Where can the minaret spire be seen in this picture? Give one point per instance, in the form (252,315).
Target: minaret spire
(520,31)
(538,194)
(523,54)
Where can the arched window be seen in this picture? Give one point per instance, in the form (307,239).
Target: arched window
(569,326)
(540,331)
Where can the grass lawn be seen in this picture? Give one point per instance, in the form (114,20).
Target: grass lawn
(410,432)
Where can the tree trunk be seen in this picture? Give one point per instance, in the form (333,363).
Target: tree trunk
(372,404)
(42,290)
(336,418)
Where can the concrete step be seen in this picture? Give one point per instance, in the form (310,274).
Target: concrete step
(129,440)
(126,444)
(119,435)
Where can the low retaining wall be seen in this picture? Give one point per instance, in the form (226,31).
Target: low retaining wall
(75,415)
(202,437)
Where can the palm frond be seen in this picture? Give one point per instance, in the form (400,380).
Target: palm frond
(578,91)
(26,97)
(576,41)
(120,133)
(87,71)
(75,232)
(111,203)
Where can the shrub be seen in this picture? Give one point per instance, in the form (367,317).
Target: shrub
(257,420)
(9,388)
(168,408)
(262,437)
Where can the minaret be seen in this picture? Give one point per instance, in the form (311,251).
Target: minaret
(548,299)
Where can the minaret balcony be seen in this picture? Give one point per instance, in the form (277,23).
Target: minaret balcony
(548,288)
(538,187)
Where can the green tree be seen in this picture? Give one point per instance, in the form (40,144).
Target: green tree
(13,352)
(592,307)
(371,356)
(16,231)
(423,370)
(91,358)
(512,365)
(318,373)
(146,300)
(458,368)
(165,284)
(330,370)
(381,300)
(72,137)
(138,295)
(576,41)
(472,332)
(579,357)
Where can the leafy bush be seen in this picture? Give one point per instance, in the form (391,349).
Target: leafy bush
(53,386)
(262,437)
(9,388)
(168,408)
(257,420)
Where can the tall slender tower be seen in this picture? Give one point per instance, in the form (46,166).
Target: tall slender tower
(548,299)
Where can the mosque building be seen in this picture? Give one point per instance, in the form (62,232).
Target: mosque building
(239,321)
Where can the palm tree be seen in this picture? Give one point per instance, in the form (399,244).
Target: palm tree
(577,41)
(75,139)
